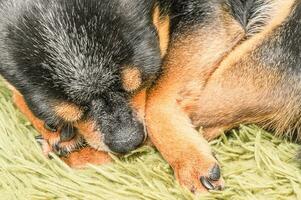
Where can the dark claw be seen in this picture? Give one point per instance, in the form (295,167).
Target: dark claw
(206,183)
(215,173)
(58,151)
(62,153)
(68,133)
(39,139)
(50,127)
(56,148)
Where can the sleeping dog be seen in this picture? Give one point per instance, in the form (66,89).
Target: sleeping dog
(81,70)
(78,69)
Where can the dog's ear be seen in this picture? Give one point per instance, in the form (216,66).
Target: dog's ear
(161,22)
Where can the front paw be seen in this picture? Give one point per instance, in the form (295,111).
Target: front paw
(60,148)
(55,135)
(199,174)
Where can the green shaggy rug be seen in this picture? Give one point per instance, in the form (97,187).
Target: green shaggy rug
(255,165)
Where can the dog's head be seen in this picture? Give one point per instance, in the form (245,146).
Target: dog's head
(94,59)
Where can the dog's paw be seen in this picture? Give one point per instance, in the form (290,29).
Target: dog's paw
(199,175)
(55,134)
(79,158)
(63,139)
(62,147)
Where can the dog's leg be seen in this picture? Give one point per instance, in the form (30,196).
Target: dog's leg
(192,55)
(58,139)
(181,145)
(87,155)
(206,84)
(256,83)
(76,159)
(52,137)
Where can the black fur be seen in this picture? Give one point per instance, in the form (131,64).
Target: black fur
(74,51)
(253,15)
(188,13)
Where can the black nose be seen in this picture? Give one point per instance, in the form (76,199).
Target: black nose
(125,140)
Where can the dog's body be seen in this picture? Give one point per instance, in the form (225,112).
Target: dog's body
(80,63)
(227,62)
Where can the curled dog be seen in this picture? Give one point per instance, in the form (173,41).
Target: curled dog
(225,62)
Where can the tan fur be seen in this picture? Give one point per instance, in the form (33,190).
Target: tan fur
(283,9)
(68,111)
(248,98)
(85,156)
(92,135)
(177,140)
(131,78)
(138,104)
(225,97)
(169,127)
(162,24)
(209,81)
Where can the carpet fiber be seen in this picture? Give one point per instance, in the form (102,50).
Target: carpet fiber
(255,165)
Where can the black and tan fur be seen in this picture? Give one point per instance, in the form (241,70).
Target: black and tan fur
(225,62)
(229,62)
(79,68)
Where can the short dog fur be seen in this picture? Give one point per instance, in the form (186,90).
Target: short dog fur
(78,65)
(229,62)
(87,64)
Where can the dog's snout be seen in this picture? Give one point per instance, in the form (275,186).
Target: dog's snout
(121,131)
(125,140)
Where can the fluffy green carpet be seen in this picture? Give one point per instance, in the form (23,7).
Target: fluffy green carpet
(255,166)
